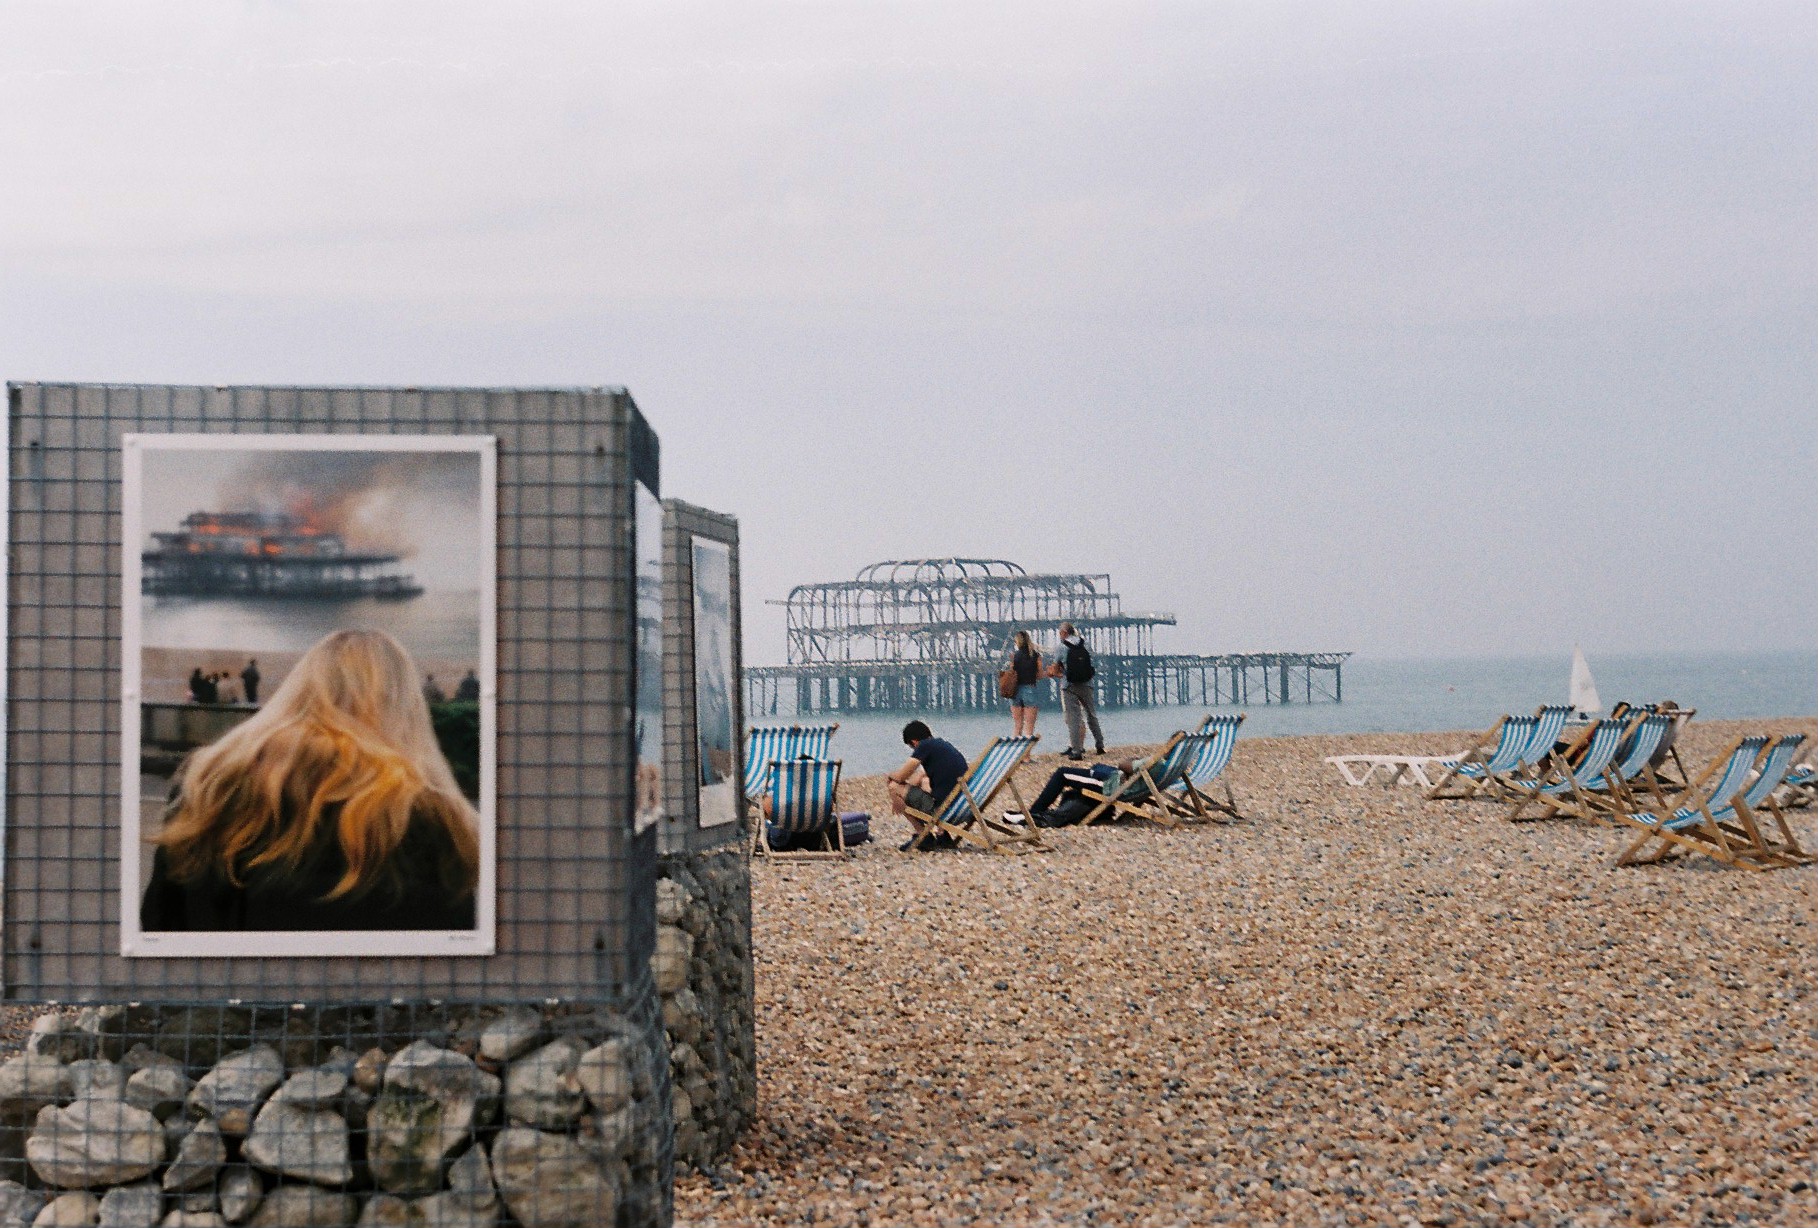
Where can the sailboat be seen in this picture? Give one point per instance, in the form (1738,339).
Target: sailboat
(1585,702)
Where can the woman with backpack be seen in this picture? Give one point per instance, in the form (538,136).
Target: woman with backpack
(1027,663)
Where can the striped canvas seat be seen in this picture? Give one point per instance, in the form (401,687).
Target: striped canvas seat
(1563,779)
(963,813)
(802,793)
(767,744)
(1723,821)
(1192,799)
(1633,753)
(1143,793)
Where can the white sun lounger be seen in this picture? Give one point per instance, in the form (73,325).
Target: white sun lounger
(1360,770)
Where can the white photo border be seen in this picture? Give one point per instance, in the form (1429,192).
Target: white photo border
(726,801)
(134,942)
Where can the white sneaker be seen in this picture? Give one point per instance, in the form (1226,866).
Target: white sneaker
(1015,817)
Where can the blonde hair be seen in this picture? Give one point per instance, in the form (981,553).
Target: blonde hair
(346,739)
(1024,643)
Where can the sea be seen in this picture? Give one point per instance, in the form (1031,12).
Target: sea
(1390,695)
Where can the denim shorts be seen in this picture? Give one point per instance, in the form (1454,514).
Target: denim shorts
(1025,696)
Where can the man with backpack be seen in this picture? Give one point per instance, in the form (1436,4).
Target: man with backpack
(1072,664)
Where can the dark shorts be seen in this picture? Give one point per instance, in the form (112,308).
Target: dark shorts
(920,799)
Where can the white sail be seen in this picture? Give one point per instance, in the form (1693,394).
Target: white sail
(1584,689)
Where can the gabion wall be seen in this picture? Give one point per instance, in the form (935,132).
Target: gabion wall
(702,966)
(402,1037)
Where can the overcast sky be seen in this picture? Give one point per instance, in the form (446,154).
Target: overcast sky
(1402,328)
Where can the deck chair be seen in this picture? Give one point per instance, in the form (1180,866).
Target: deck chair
(1192,799)
(1676,777)
(964,813)
(1800,789)
(802,793)
(1496,751)
(1757,801)
(1566,776)
(1633,753)
(768,744)
(1721,821)
(1143,793)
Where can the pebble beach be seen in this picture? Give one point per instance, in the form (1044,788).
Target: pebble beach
(1352,1007)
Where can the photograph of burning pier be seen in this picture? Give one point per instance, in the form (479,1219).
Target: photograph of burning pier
(250,552)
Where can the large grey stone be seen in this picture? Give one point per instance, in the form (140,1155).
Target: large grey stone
(672,900)
(240,1192)
(131,1206)
(670,963)
(75,1209)
(436,1211)
(199,1157)
(549,1181)
(312,1089)
(301,1143)
(96,1077)
(94,1142)
(144,1057)
(57,1036)
(470,1180)
(541,1088)
(511,1034)
(192,1219)
(28,1083)
(432,1101)
(305,1206)
(159,1089)
(239,1083)
(605,1075)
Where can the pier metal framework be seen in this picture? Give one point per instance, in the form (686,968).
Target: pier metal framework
(930,635)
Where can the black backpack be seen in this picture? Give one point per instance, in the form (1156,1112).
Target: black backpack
(1078,668)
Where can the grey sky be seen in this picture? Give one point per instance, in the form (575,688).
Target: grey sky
(1403,328)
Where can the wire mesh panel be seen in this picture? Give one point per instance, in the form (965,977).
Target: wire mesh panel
(703,658)
(569,868)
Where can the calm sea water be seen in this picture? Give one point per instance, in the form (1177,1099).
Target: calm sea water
(1404,696)
(433,626)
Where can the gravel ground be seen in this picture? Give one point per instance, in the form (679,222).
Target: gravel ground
(1356,1007)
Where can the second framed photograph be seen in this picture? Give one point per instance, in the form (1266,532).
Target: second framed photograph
(308,718)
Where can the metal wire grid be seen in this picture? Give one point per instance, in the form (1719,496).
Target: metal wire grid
(575,888)
(682,523)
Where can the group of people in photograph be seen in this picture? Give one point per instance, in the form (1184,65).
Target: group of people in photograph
(1069,661)
(218,687)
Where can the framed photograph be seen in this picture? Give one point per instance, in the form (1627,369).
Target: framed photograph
(647,807)
(714,682)
(308,717)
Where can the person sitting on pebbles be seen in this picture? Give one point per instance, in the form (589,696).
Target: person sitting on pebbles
(934,766)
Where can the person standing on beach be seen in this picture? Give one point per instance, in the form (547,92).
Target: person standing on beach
(934,766)
(1072,664)
(1027,663)
(249,681)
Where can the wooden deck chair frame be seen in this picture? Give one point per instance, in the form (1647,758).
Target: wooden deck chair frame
(1678,778)
(1598,800)
(1494,751)
(781,789)
(1142,793)
(965,815)
(1669,830)
(1192,799)
(1564,774)
(1543,744)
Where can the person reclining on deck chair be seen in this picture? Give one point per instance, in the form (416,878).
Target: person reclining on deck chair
(934,766)
(1062,802)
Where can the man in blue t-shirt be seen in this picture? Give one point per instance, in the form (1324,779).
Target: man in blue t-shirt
(923,782)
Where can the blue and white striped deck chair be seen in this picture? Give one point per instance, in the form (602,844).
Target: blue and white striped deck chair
(1759,797)
(802,794)
(1549,724)
(1192,798)
(1800,789)
(964,813)
(1143,793)
(1511,736)
(768,744)
(1633,754)
(1708,825)
(1564,779)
